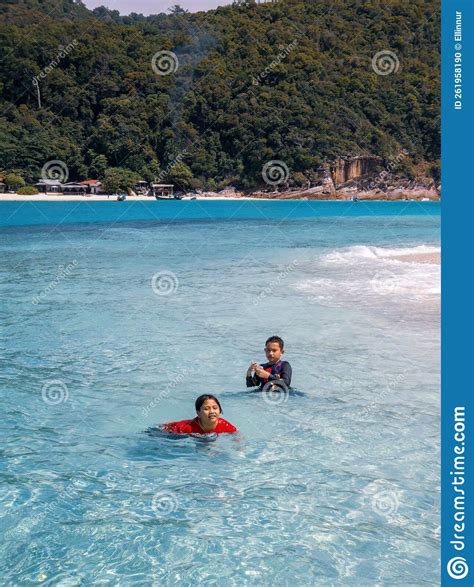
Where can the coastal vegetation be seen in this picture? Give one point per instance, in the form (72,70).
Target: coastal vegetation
(293,81)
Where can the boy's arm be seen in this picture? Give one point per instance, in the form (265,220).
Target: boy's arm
(286,373)
(252,380)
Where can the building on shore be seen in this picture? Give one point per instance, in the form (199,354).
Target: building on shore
(141,188)
(49,186)
(94,186)
(74,188)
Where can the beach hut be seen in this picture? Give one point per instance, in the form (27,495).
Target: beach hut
(51,186)
(141,187)
(93,186)
(74,188)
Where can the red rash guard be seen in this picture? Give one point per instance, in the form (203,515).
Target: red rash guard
(193,427)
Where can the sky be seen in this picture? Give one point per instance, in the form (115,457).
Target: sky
(147,7)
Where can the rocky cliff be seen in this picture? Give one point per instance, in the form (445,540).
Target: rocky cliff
(369,178)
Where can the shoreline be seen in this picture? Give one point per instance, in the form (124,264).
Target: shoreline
(96,198)
(284,197)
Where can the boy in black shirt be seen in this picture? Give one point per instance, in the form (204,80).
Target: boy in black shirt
(275,370)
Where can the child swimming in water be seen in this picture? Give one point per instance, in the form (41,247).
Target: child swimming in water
(274,370)
(207,421)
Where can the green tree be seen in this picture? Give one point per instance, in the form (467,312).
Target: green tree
(181,175)
(14,181)
(98,167)
(27,190)
(244,90)
(118,179)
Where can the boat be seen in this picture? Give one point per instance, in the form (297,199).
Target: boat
(163,191)
(172,197)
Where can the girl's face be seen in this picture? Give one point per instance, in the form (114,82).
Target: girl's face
(209,413)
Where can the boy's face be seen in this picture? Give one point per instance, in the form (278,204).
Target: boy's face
(273,352)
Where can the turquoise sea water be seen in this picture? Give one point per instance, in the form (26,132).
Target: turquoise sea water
(115,316)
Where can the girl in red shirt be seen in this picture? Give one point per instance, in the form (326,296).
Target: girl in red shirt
(207,421)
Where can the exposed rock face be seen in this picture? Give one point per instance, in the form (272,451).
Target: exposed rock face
(344,170)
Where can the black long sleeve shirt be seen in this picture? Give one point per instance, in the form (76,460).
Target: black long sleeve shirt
(279,371)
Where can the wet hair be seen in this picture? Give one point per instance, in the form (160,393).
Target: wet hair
(276,339)
(202,398)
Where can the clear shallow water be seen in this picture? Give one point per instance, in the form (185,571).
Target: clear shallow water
(110,328)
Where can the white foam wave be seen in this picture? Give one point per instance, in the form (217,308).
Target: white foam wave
(359,253)
(370,274)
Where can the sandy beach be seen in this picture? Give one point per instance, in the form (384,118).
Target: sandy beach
(212,196)
(94,198)
(428,258)
(113,198)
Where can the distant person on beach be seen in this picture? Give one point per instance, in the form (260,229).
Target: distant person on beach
(275,370)
(207,421)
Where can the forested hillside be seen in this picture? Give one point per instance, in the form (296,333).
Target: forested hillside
(294,81)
